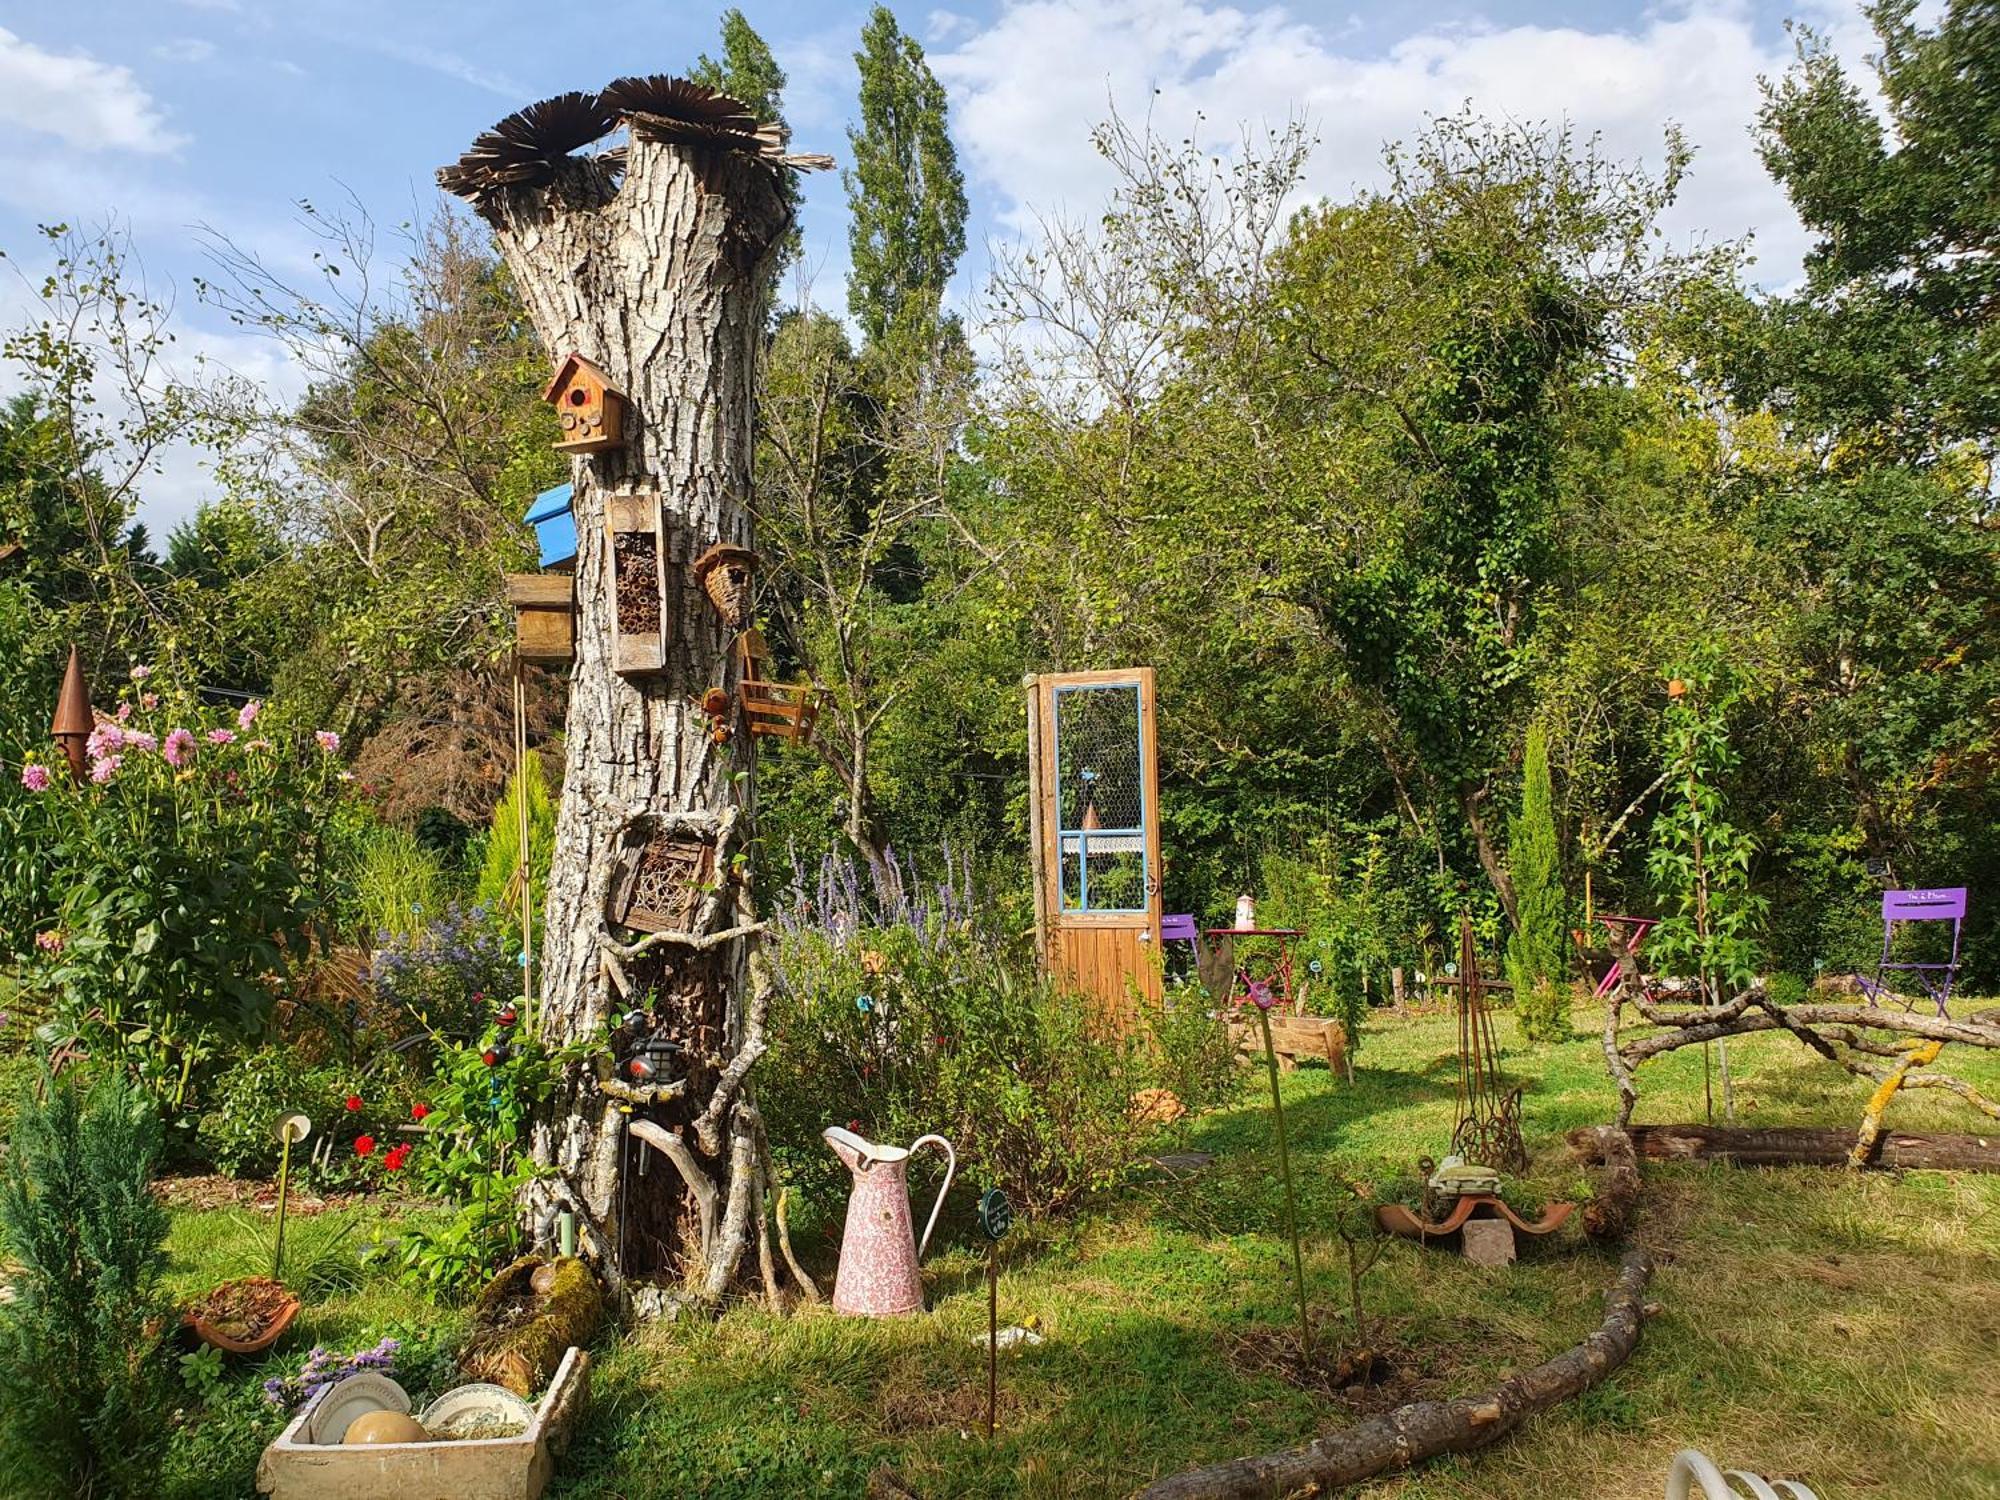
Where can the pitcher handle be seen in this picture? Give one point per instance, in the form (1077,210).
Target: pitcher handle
(950,1170)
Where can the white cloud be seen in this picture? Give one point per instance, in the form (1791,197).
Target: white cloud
(1027,88)
(87,104)
(185,49)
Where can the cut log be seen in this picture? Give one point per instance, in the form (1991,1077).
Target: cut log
(521,1331)
(1797,1147)
(1608,1217)
(1425,1429)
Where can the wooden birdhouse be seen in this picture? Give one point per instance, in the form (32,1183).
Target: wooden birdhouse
(660,883)
(776,710)
(639,631)
(592,414)
(544,617)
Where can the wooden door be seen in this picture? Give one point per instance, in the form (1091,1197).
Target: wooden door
(1094,798)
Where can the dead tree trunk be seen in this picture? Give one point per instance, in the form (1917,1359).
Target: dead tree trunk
(650,265)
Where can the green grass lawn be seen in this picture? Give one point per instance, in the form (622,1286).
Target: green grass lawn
(1845,1329)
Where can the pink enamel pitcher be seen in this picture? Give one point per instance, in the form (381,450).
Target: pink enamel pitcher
(879,1249)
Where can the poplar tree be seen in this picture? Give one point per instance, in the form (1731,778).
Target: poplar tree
(905,194)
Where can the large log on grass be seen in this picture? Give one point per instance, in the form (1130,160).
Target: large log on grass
(1425,1429)
(1796,1147)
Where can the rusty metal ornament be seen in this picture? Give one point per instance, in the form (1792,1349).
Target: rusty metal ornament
(1487,1127)
(74,720)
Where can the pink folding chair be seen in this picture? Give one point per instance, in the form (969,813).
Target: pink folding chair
(1639,927)
(1935,979)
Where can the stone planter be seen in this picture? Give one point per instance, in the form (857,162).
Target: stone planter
(514,1468)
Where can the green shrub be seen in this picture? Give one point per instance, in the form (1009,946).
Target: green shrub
(237,1133)
(1191,1053)
(918,1020)
(1542,1012)
(83,1383)
(499,877)
(186,874)
(397,883)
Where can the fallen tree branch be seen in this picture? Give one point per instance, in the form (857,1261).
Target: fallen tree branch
(1425,1429)
(1796,1147)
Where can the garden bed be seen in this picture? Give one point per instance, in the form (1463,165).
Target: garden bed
(1162,1310)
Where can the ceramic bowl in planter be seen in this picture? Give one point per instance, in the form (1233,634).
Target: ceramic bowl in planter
(246,1316)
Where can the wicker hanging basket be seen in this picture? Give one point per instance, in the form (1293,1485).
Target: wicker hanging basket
(726,573)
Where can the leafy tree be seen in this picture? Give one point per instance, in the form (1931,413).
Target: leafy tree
(1699,859)
(1891,347)
(82,1400)
(905,193)
(1535,949)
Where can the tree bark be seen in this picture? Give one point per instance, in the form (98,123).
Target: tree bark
(1424,1429)
(1794,1147)
(654,273)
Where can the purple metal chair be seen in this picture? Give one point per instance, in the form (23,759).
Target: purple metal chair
(1936,978)
(1177,928)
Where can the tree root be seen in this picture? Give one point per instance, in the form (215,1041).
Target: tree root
(1425,1429)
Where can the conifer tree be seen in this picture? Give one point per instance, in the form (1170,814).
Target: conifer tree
(81,1403)
(1535,951)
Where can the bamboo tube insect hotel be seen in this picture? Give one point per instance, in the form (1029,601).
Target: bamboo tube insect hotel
(639,616)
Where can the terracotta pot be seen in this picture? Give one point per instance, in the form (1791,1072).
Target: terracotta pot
(276,1308)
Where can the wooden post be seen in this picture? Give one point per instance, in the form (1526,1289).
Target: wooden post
(1396,984)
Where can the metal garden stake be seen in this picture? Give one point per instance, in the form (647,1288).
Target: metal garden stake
(1264,997)
(291,1128)
(996,1217)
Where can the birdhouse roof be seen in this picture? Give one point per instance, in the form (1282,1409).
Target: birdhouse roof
(575,365)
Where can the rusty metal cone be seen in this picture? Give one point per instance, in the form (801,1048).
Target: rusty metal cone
(73,721)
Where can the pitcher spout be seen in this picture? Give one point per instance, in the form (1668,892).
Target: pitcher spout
(856,1154)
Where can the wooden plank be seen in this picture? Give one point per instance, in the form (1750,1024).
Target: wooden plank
(1040,830)
(1792,1146)
(541,590)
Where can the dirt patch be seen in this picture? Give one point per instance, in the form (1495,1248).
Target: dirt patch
(210,1191)
(1371,1376)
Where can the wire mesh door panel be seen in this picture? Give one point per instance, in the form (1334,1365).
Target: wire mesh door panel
(1094,799)
(1101,797)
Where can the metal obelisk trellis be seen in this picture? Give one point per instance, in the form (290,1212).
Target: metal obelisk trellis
(1487,1129)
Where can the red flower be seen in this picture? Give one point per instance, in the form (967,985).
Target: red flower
(418,1111)
(393,1159)
(364,1145)
(353,1104)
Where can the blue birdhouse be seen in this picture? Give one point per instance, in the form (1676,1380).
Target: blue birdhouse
(555,525)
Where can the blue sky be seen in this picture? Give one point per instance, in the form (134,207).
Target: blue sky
(172,114)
